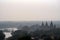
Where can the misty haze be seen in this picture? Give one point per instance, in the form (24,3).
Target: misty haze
(29,19)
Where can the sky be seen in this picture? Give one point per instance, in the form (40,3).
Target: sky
(29,10)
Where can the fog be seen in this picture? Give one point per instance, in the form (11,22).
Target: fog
(29,10)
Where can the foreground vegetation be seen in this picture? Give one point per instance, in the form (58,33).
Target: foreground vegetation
(36,35)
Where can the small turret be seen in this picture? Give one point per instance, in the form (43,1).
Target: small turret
(54,26)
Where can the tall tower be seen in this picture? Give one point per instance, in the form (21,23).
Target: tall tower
(51,25)
(46,24)
(42,24)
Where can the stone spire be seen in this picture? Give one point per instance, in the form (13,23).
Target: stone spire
(46,24)
(51,24)
(42,24)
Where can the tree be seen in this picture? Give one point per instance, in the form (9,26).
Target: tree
(2,36)
(20,35)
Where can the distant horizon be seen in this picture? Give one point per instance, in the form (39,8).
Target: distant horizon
(32,21)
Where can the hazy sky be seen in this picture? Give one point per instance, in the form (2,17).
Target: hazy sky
(29,10)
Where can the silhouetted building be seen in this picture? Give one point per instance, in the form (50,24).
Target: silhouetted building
(51,25)
(46,24)
(47,27)
(42,24)
(54,26)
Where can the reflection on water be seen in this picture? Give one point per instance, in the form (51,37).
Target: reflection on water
(7,34)
(7,31)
